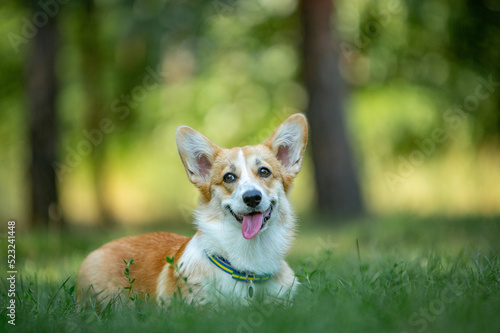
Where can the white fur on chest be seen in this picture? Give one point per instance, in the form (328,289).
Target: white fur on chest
(211,284)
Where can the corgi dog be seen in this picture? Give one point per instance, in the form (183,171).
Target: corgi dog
(245,226)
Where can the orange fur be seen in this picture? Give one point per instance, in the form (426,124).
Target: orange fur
(149,252)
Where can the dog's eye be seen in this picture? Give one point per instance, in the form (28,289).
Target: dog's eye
(229,177)
(264,172)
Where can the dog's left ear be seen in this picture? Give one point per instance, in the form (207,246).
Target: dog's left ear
(288,143)
(197,154)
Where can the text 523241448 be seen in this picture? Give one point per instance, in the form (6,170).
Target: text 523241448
(11,273)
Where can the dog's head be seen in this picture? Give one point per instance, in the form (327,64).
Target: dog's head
(245,186)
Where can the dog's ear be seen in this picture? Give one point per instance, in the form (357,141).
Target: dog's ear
(197,154)
(288,143)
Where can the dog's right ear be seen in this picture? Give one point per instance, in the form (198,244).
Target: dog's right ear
(197,154)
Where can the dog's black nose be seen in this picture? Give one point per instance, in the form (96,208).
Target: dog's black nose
(252,198)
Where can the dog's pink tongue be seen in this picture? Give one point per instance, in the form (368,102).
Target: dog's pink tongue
(251,225)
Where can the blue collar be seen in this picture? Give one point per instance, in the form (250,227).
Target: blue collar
(224,265)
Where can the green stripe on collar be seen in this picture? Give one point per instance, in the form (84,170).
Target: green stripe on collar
(224,265)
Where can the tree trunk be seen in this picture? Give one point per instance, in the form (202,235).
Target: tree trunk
(42,92)
(336,180)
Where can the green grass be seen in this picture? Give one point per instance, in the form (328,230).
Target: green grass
(398,274)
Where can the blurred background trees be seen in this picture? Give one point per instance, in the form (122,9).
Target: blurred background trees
(335,176)
(403,75)
(41,92)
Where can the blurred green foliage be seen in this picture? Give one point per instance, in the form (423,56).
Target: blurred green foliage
(231,69)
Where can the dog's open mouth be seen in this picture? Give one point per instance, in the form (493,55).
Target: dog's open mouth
(253,222)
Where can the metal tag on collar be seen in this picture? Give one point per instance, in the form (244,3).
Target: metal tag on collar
(250,288)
